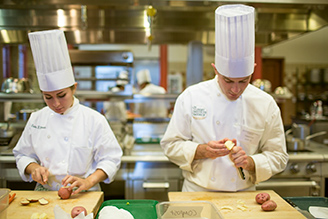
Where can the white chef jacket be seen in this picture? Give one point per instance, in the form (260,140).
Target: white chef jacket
(152,108)
(202,113)
(115,110)
(76,143)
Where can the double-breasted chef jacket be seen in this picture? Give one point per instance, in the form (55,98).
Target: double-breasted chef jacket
(202,113)
(154,108)
(76,143)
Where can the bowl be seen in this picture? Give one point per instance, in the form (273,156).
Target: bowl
(10,85)
(15,85)
(4,202)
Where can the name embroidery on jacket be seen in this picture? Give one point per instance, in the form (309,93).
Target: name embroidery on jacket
(198,112)
(38,126)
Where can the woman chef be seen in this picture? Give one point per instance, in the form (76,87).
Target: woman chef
(65,143)
(209,113)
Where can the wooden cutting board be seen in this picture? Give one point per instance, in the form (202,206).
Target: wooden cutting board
(90,200)
(233,199)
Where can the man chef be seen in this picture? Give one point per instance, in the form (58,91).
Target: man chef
(153,108)
(65,143)
(227,107)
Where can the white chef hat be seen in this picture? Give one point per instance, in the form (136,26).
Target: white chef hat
(143,76)
(51,59)
(234,40)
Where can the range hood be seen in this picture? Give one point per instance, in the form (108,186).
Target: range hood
(173,22)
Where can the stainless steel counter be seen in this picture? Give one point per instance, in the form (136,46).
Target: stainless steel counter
(154,153)
(145,153)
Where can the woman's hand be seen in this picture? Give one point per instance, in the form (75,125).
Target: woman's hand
(81,184)
(84,184)
(38,173)
(212,149)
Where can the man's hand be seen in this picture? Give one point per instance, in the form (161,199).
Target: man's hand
(212,149)
(241,159)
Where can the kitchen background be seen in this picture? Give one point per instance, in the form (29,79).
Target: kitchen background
(300,58)
(175,41)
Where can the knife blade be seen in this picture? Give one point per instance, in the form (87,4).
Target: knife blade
(229,144)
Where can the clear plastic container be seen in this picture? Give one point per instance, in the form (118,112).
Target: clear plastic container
(4,202)
(184,209)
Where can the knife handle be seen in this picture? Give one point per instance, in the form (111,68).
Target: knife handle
(241,173)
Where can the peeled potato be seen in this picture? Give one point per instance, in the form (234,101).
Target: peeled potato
(229,144)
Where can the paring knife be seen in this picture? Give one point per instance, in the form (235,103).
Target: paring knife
(229,144)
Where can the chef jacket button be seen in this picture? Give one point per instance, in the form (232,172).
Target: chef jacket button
(47,158)
(66,138)
(218,122)
(48,136)
(218,94)
(70,118)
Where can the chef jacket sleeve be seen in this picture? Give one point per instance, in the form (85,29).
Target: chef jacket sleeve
(24,152)
(177,141)
(108,152)
(272,156)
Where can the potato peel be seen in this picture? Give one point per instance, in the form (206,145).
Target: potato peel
(243,208)
(227,207)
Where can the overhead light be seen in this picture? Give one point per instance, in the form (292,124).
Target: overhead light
(60,18)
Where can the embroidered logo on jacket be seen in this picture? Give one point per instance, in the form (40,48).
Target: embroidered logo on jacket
(198,112)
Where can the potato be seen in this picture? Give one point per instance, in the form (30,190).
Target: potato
(43,201)
(64,192)
(24,201)
(262,197)
(77,210)
(269,205)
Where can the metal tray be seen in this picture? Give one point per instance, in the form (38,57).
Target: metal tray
(306,201)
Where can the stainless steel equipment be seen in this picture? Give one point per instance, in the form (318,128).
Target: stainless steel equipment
(304,174)
(299,144)
(123,22)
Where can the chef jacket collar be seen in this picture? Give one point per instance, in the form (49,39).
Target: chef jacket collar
(216,82)
(74,106)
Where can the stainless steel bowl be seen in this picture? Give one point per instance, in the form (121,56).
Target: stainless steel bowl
(10,85)
(15,85)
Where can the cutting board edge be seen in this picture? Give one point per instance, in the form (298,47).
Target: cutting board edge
(98,204)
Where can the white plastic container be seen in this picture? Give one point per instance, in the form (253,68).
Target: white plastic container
(4,202)
(186,210)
